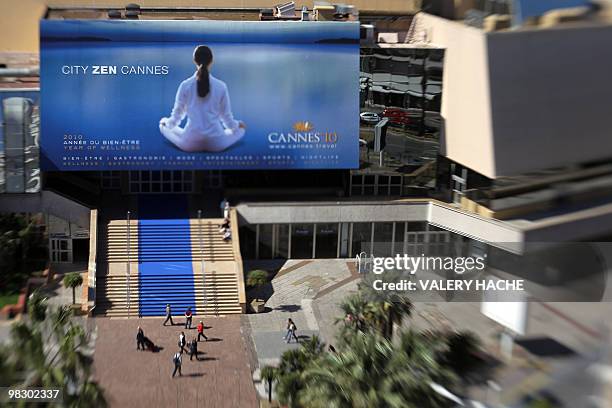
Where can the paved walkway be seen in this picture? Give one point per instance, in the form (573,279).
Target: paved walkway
(130,378)
(295,290)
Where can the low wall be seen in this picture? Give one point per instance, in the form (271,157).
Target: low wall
(88,296)
(238,260)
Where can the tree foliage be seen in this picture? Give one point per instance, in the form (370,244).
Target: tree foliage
(257,278)
(73,280)
(51,350)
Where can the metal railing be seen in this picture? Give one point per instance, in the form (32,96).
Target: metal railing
(201,239)
(128,272)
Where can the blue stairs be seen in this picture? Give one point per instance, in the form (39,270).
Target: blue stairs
(164,256)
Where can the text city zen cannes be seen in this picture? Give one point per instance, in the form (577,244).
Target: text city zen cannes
(115,70)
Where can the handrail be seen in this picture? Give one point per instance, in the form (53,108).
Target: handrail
(128,272)
(202,259)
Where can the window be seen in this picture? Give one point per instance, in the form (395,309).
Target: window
(161,181)
(381,185)
(383,238)
(361,239)
(302,236)
(327,240)
(281,241)
(248,241)
(265,241)
(61,250)
(110,180)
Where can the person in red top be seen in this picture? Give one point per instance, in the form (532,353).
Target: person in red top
(188,317)
(201,331)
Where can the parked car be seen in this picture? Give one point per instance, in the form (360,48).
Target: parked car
(371,118)
(397,117)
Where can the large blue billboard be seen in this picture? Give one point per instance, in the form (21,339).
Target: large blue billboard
(119,95)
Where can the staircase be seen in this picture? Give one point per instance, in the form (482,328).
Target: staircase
(181,262)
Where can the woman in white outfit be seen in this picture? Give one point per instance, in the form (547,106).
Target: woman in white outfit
(205,101)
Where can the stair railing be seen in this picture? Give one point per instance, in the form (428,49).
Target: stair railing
(128,272)
(201,239)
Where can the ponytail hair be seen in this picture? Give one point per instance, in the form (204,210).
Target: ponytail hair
(202,56)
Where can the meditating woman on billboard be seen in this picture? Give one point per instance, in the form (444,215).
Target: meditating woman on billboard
(204,99)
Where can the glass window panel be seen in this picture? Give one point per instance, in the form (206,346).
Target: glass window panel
(362,238)
(302,236)
(398,247)
(265,241)
(383,235)
(327,241)
(282,241)
(247,241)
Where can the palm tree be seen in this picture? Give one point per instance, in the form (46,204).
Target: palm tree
(387,308)
(52,353)
(268,374)
(293,363)
(461,355)
(357,310)
(370,371)
(369,310)
(73,280)
(37,306)
(356,376)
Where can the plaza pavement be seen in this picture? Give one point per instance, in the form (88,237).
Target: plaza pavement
(294,292)
(130,378)
(310,292)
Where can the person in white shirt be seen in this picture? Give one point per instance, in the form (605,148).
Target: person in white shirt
(205,101)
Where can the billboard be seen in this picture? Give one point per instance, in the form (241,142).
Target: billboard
(151,95)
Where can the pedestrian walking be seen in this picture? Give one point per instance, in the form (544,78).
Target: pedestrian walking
(193,350)
(291,332)
(188,317)
(140,337)
(178,362)
(182,342)
(291,328)
(289,321)
(168,315)
(200,328)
